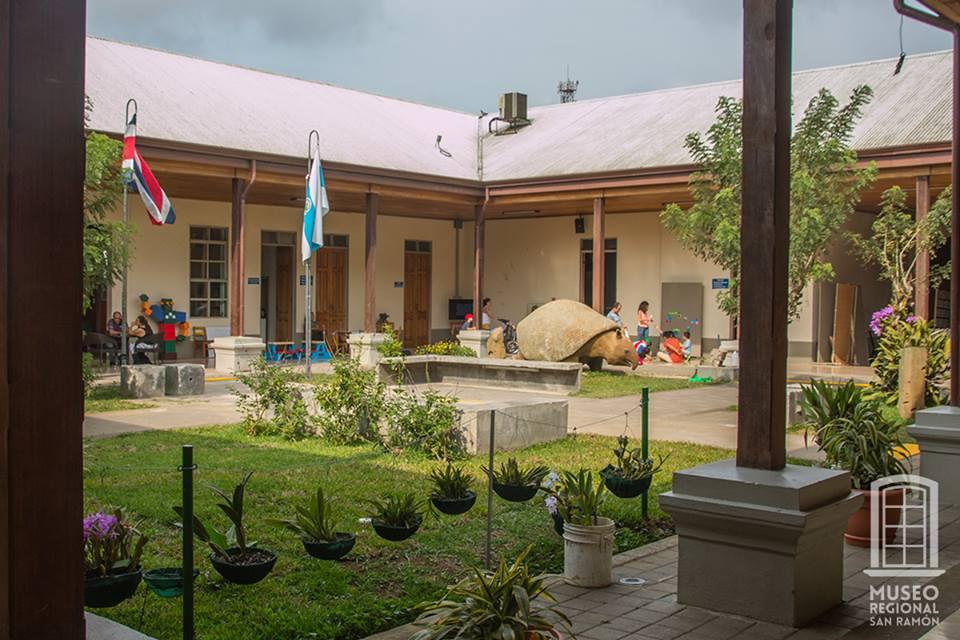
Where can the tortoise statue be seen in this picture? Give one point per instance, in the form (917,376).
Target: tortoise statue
(567,331)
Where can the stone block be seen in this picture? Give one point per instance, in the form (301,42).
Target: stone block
(475,339)
(236,353)
(532,375)
(365,347)
(726,374)
(516,424)
(937,431)
(767,545)
(184,380)
(794,412)
(142,380)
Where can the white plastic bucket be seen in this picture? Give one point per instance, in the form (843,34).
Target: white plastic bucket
(588,553)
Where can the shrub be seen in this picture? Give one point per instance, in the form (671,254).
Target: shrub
(391,347)
(895,333)
(446,348)
(274,404)
(86,372)
(430,424)
(351,403)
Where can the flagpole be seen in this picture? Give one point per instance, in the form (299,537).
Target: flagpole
(124,338)
(308,316)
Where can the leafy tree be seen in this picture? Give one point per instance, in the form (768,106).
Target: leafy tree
(896,240)
(105,243)
(824,189)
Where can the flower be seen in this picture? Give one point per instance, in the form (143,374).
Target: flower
(551,503)
(877,319)
(99,526)
(551,480)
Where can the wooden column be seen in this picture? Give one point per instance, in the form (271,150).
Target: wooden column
(370,270)
(765,238)
(955,231)
(237,223)
(479,234)
(41,404)
(598,261)
(922,284)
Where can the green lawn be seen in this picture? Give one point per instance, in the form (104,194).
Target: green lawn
(612,384)
(106,397)
(376,585)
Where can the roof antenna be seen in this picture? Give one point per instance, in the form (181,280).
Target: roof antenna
(903,56)
(568,89)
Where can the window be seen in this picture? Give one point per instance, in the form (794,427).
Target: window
(208,272)
(417,246)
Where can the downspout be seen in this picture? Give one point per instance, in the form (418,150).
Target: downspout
(253,178)
(948,25)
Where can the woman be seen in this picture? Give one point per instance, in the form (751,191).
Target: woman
(141,330)
(614,316)
(487,319)
(644,320)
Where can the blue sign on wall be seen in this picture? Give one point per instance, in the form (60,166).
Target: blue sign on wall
(253,280)
(720,283)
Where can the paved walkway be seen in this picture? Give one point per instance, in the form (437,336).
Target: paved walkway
(651,611)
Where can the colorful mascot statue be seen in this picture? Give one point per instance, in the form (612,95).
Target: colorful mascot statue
(171,325)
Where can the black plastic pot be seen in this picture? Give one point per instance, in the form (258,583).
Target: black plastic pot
(331,550)
(557,523)
(624,487)
(167,582)
(394,534)
(244,573)
(454,506)
(515,492)
(110,590)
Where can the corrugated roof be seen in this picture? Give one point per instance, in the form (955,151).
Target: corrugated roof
(189,100)
(184,99)
(648,129)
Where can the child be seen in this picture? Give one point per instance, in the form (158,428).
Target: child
(687,346)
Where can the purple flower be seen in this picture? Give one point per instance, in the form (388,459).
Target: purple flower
(911,319)
(99,526)
(551,503)
(876,320)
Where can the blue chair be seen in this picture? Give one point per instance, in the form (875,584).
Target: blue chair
(271,354)
(320,353)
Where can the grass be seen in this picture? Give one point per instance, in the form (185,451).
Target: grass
(106,397)
(613,384)
(378,584)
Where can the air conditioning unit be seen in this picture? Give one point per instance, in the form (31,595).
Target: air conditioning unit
(513,106)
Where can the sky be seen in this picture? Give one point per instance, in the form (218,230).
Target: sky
(463,55)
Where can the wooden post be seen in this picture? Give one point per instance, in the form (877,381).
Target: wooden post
(41,404)
(238,217)
(479,233)
(370,272)
(598,246)
(765,238)
(922,284)
(955,231)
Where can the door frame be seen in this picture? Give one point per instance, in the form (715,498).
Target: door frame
(330,241)
(279,234)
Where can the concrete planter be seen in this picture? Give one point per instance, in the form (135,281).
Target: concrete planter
(858,531)
(588,553)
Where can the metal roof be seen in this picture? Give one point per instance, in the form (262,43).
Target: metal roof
(194,101)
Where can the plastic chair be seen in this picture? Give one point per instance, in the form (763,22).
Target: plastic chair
(320,353)
(271,354)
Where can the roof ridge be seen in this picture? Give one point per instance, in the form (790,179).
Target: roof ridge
(279,75)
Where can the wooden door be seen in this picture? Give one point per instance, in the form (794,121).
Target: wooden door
(330,301)
(284,287)
(416,299)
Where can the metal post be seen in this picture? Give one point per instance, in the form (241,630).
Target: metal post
(124,340)
(308,314)
(493,415)
(187,468)
(645,440)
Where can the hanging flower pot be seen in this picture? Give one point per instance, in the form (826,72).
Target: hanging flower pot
(454,506)
(515,492)
(167,582)
(248,568)
(110,590)
(394,533)
(624,487)
(331,549)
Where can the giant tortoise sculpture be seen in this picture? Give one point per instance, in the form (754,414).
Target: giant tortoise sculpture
(567,331)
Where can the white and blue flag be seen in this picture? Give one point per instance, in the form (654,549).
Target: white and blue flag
(316,206)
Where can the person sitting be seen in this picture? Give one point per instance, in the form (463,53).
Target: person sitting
(115,327)
(671,351)
(687,346)
(143,332)
(467,322)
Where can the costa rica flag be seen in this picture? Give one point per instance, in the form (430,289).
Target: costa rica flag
(137,175)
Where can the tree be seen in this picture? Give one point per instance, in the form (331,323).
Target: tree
(898,238)
(105,243)
(825,184)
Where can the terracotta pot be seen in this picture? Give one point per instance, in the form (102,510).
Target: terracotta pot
(858,526)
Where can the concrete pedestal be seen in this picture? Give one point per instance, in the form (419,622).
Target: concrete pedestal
(142,380)
(184,380)
(365,348)
(475,340)
(763,544)
(937,430)
(236,353)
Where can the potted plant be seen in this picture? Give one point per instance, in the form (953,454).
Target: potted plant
(451,490)
(855,435)
(632,474)
(112,550)
(166,582)
(506,603)
(515,483)
(233,556)
(587,536)
(316,524)
(396,517)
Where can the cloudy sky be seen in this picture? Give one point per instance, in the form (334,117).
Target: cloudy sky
(462,54)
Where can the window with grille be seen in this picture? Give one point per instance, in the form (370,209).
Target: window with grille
(208,272)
